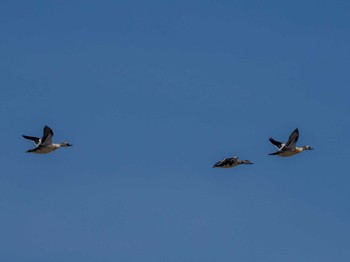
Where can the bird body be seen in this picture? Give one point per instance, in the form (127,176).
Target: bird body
(47,149)
(290,152)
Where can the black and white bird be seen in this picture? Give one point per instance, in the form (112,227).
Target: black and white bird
(231,162)
(44,145)
(289,148)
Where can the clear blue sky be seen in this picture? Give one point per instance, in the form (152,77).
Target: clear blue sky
(152,94)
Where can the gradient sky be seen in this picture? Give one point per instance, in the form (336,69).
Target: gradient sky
(153,93)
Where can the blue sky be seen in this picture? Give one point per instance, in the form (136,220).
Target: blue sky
(152,94)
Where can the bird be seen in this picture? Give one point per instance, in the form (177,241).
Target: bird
(289,148)
(231,162)
(44,145)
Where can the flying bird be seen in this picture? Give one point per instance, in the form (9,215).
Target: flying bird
(289,148)
(44,145)
(231,162)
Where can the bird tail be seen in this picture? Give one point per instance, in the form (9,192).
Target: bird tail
(30,151)
(272,154)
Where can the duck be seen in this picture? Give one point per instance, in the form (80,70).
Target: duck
(289,148)
(44,145)
(231,162)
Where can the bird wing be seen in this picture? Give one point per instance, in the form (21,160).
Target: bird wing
(274,153)
(221,163)
(293,139)
(47,136)
(279,145)
(36,140)
(217,164)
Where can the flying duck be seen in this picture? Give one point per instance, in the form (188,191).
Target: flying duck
(44,145)
(289,148)
(231,162)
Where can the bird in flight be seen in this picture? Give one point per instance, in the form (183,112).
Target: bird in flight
(231,162)
(289,148)
(44,145)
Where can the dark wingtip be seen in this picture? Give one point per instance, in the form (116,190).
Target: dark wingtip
(217,164)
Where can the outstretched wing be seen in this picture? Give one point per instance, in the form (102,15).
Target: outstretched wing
(47,136)
(293,139)
(222,163)
(36,140)
(279,145)
(218,164)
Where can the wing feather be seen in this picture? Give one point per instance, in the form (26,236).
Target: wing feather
(36,140)
(278,144)
(47,136)
(293,139)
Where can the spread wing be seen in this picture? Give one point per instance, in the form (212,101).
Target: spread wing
(279,145)
(222,163)
(47,136)
(36,140)
(219,163)
(293,139)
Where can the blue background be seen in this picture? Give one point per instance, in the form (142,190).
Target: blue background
(152,94)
